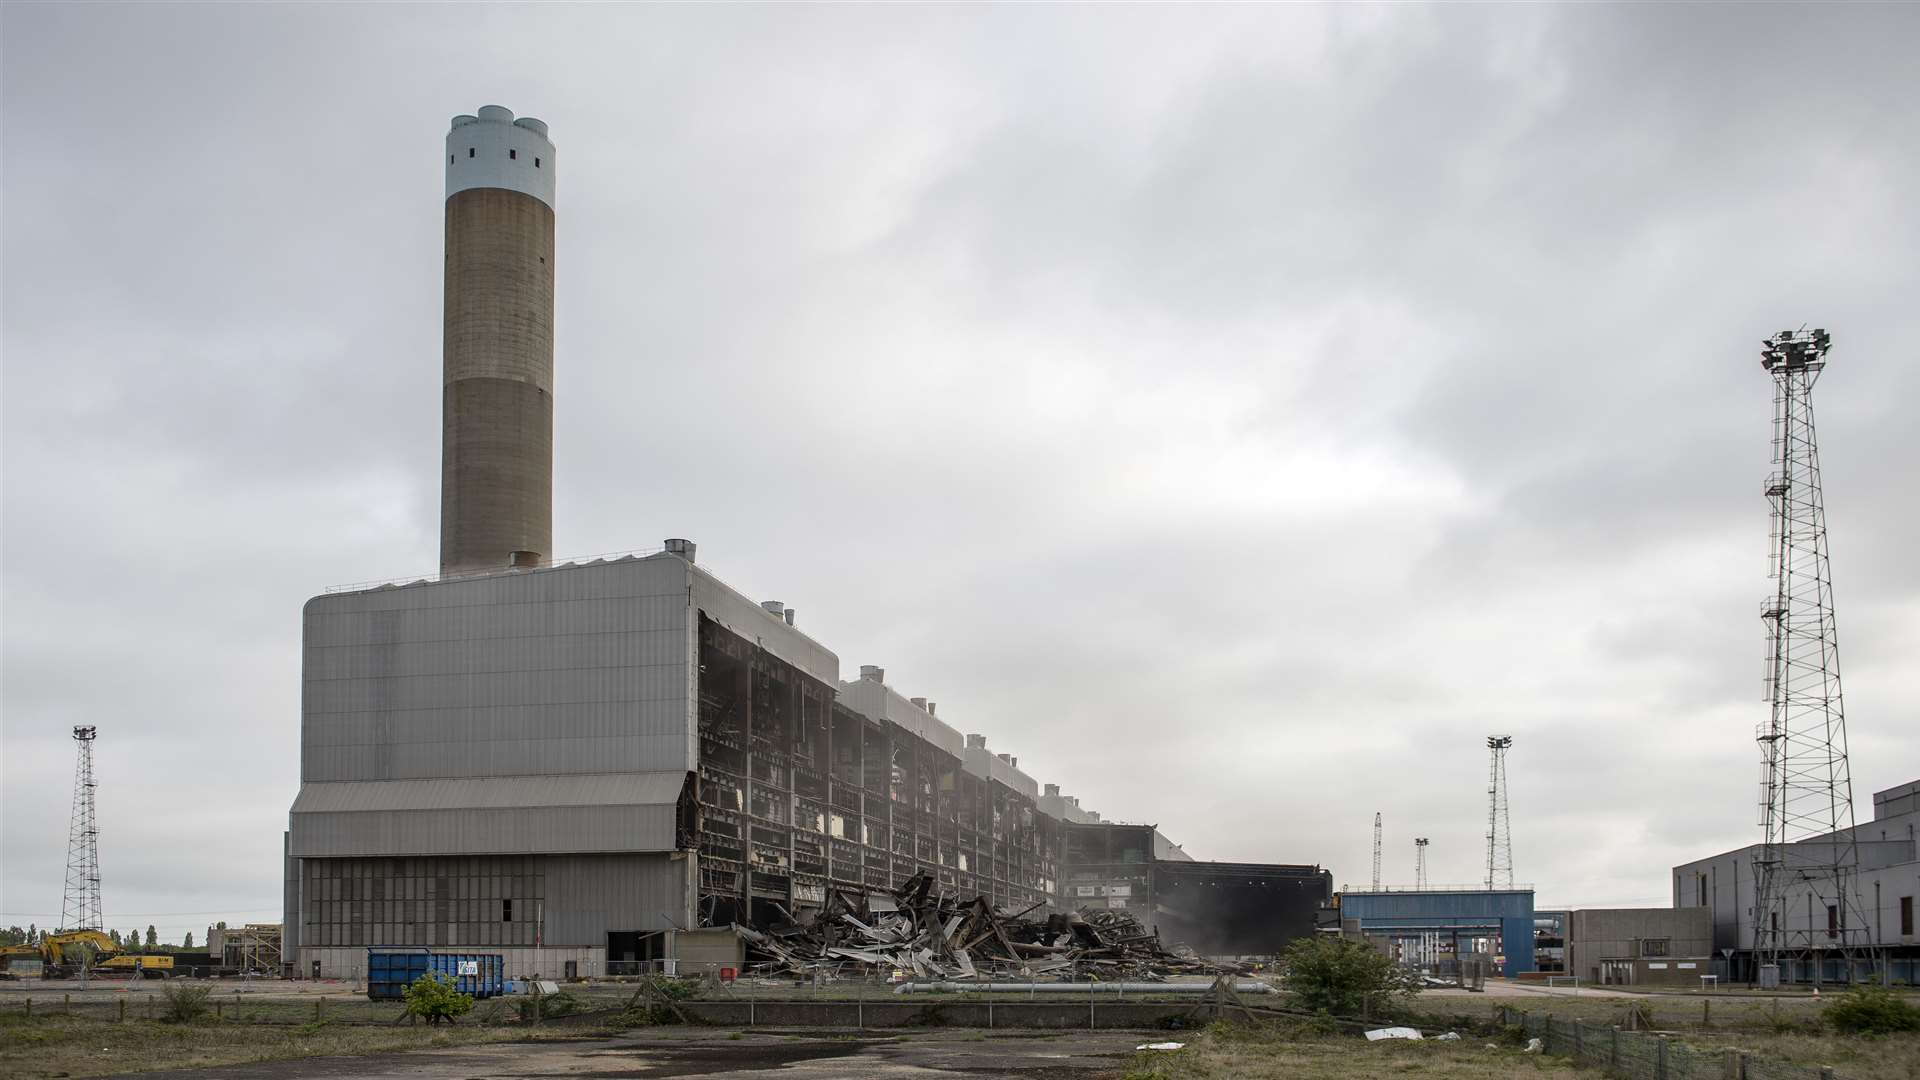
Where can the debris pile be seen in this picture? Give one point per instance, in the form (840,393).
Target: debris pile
(929,933)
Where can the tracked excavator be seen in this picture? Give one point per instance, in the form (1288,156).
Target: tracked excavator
(65,955)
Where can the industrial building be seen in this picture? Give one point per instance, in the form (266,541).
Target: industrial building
(1885,883)
(1447,924)
(584,764)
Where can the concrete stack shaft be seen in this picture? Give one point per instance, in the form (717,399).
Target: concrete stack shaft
(496,474)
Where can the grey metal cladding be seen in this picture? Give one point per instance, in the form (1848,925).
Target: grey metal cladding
(569,669)
(730,609)
(877,701)
(589,896)
(606,812)
(487,831)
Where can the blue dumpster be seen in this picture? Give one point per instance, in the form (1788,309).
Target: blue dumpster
(391,971)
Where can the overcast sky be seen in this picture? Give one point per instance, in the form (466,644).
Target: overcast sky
(1236,413)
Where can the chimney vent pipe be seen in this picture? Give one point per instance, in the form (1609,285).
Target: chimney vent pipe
(789,614)
(918,702)
(976,742)
(931,708)
(1053,789)
(682,548)
(773,607)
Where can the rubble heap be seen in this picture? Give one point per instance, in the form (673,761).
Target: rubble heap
(930,933)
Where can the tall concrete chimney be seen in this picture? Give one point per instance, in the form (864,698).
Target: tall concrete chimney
(496,450)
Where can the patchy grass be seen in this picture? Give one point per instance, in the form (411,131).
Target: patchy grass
(50,1046)
(1271,1053)
(1854,1057)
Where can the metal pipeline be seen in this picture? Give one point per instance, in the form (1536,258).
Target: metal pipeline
(1076,988)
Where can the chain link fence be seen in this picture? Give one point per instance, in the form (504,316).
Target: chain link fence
(1649,1056)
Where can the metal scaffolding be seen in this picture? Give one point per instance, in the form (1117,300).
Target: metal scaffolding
(1419,862)
(1806,797)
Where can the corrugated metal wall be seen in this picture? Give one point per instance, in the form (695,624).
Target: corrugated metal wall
(569,670)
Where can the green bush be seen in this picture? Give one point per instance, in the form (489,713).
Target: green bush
(432,998)
(548,1006)
(1871,1010)
(1346,977)
(185,1004)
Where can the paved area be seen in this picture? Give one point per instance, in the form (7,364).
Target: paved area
(1082,1055)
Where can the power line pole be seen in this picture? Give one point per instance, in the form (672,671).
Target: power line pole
(1806,800)
(1376,851)
(1420,862)
(1499,829)
(80,903)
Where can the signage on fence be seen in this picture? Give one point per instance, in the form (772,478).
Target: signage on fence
(469,967)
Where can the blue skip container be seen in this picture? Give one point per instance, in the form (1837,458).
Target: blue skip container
(391,971)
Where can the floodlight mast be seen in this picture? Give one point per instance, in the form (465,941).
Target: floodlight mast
(1376,851)
(1806,796)
(1499,828)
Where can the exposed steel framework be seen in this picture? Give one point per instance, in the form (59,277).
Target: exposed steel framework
(1499,830)
(1806,788)
(80,902)
(1419,862)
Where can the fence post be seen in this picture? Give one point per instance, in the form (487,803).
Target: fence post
(1613,1051)
(66,1003)
(1660,1069)
(29,1008)
(860,1008)
(1579,1040)
(236,1005)
(1216,1007)
(123,1010)
(1826,1072)
(1706,1013)
(749,1010)
(316,1009)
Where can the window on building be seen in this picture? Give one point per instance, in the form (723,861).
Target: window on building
(513,155)
(536,163)
(1701,881)
(1906,916)
(469,151)
(1833,920)
(506,911)
(1655,946)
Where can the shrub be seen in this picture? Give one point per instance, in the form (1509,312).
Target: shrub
(185,1004)
(432,998)
(1345,977)
(1871,1010)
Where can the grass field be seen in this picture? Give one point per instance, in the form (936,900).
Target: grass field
(50,1046)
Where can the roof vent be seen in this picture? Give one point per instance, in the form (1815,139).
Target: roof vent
(789,616)
(774,608)
(976,742)
(931,707)
(918,702)
(523,560)
(1053,790)
(682,548)
(1004,758)
(873,673)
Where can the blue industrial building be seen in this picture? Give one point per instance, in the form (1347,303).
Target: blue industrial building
(1454,915)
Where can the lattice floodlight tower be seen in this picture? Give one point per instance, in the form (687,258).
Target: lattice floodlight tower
(1419,862)
(1806,796)
(1499,829)
(1376,851)
(80,903)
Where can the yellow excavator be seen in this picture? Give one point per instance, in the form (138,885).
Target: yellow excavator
(68,954)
